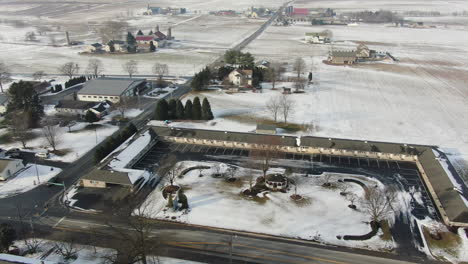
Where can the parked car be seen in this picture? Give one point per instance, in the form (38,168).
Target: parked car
(42,155)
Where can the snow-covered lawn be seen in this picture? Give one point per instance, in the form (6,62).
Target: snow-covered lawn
(27,179)
(72,144)
(321,215)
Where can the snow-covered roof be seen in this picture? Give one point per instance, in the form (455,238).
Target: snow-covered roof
(109,86)
(8,258)
(133,149)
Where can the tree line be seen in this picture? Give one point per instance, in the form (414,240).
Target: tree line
(113,142)
(174,109)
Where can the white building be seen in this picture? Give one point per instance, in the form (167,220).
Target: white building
(241,77)
(9,167)
(102,89)
(317,38)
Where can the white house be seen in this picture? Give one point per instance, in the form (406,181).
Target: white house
(119,46)
(95,47)
(362,51)
(317,38)
(241,77)
(9,167)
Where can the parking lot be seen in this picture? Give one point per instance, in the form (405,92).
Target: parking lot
(400,174)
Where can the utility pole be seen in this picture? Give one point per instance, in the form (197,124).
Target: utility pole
(37,171)
(95,133)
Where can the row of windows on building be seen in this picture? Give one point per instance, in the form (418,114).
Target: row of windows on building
(101,97)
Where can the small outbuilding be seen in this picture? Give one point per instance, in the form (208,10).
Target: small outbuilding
(276,182)
(265,129)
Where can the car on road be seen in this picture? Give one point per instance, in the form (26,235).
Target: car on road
(41,155)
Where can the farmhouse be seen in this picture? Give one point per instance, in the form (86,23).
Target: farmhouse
(342,57)
(95,47)
(363,51)
(144,39)
(448,201)
(102,89)
(317,38)
(116,46)
(4,99)
(240,77)
(9,167)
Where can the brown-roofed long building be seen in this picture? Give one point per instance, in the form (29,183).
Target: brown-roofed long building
(437,179)
(342,57)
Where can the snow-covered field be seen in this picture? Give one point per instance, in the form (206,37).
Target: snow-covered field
(218,203)
(28,179)
(421,99)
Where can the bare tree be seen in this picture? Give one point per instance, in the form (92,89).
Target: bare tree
(122,105)
(274,106)
(171,168)
(95,67)
(69,69)
(5,75)
(112,30)
(378,203)
(131,67)
(299,66)
(286,106)
(264,152)
(68,248)
(38,75)
(136,237)
(20,128)
(351,197)
(51,133)
(274,73)
(300,84)
(160,70)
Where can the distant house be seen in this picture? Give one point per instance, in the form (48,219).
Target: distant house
(265,129)
(9,167)
(95,47)
(158,35)
(4,99)
(363,51)
(300,12)
(152,10)
(79,108)
(241,77)
(118,46)
(74,108)
(342,57)
(317,38)
(144,39)
(109,89)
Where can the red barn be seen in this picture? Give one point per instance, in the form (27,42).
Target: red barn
(300,11)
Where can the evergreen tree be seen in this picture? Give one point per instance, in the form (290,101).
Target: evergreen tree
(91,117)
(196,110)
(111,46)
(7,236)
(150,33)
(206,110)
(310,76)
(162,110)
(172,109)
(188,110)
(182,198)
(140,33)
(23,98)
(152,47)
(131,42)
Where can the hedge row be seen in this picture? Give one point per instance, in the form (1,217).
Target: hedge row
(113,142)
